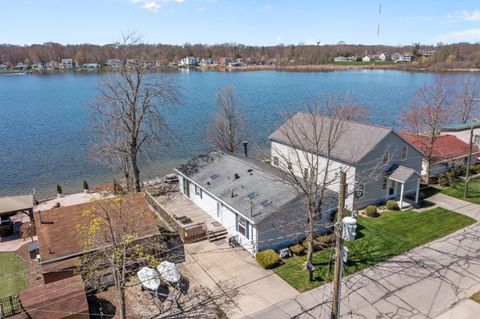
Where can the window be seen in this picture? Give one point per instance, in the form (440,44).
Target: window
(198,191)
(305,173)
(212,177)
(252,195)
(289,165)
(404,153)
(243,226)
(275,161)
(386,157)
(360,191)
(384,184)
(476,140)
(265,203)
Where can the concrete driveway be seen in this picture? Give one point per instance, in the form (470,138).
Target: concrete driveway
(234,273)
(427,282)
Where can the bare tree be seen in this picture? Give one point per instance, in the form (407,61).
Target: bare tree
(430,109)
(130,104)
(225,130)
(113,242)
(466,103)
(315,132)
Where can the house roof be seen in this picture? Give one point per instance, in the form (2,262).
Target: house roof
(215,172)
(446,147)
(58,237)
(354,143)
(12,204)
(403,174)
(59,299)
(461,126)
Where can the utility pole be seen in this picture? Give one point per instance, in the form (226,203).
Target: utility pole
(337,276)
(467,176)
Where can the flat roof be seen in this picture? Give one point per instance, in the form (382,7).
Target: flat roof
(259,189)
(13,204)
(461,126)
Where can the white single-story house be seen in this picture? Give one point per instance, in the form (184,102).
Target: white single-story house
(3,67)
(366,58)
(91,65)
(462,131)
(448,152)
(380,163)
(250,199)
(344,59)
(383,57)
(114,63)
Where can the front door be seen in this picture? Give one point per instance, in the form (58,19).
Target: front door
(186,187)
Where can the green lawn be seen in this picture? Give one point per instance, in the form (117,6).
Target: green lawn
(12,274)
(378,239)
(456,190)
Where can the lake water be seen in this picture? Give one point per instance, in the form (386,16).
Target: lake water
(44,118)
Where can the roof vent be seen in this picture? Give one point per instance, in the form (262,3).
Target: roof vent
(237,176)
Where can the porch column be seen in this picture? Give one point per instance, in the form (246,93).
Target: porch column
(417,195)
(401,195)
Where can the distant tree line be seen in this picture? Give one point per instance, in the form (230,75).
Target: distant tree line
(451,55)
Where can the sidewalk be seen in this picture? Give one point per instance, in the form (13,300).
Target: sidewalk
(456,205)
(432,280)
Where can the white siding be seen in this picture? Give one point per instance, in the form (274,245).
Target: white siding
(227,216)
(287,153)
(464,135)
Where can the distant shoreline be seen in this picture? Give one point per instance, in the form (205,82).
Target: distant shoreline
(411,67)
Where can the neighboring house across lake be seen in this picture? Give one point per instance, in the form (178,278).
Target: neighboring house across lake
(66,63)
(250,199)
(380,163)
(3,67)
(448,152)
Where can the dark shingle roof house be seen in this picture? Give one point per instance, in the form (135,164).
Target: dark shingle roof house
(356,140)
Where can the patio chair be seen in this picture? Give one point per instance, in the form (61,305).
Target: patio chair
(233,241)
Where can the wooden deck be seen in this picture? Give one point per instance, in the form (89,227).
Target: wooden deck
(185,216)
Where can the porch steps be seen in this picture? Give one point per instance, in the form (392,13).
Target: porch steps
(214,235)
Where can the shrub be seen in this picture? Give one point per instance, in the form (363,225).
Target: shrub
(371,211)
(325,240)
(85,184)
(392,205)
(443,180)
(476,168)
(297,249)
(267,258)
(346,213)
(59,189)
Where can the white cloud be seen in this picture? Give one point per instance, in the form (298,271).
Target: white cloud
(464,15)
(265,8)
(201,9)
(469,35)
(154,5)
(279,38)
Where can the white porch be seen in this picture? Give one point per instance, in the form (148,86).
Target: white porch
(395,186)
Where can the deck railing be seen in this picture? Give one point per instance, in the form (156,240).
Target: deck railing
(188,233)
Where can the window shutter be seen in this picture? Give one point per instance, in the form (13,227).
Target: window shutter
(247,231)
(236,222)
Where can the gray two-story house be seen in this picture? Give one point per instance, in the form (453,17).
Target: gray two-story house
(380,163)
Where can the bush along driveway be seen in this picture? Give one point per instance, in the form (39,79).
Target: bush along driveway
(378,239)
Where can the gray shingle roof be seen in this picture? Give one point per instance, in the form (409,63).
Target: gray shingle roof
(356,140)
(403,174)
(12,204)
(254,177)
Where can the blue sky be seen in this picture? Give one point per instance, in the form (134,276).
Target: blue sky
(241,21)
